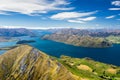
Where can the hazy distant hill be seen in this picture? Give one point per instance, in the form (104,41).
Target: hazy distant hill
(40,32)
(15,32)
(6,39)
(27,63)
(90,32)
(105,32)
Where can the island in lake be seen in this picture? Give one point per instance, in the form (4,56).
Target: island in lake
(25,41)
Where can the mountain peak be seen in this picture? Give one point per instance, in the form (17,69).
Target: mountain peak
(27,63)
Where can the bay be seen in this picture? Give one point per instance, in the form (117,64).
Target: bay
(109,55)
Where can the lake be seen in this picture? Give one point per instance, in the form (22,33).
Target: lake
(6,44)
(109,55)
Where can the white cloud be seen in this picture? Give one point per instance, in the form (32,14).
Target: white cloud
(114,9)
(75,21)
(109,17)
(87,19)
(31,7)
(74,17)
(82,20)
(116,3)
(65,15)
(70,15)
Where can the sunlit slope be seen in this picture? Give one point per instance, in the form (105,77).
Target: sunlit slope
(89,69)
(27,63)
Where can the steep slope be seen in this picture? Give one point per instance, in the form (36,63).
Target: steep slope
(27,63)
(84,41)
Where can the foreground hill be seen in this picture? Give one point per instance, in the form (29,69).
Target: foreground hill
(27,63)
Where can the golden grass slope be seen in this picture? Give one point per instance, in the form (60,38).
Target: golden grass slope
(27,63)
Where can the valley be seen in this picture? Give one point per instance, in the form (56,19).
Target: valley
(80,56)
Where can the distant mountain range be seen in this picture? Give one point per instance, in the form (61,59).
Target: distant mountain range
(90,32)
(15,32)
(27,63)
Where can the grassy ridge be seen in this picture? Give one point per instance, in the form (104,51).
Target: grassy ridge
(114,39)
(27,63)
(90,69)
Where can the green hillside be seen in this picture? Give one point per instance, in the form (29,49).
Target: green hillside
(27,63)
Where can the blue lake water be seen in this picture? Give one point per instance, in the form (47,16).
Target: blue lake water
(6,44)
(2,51)
(109,55)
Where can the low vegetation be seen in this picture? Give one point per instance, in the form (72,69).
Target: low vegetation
(89,69)
(114,39)
(27,63)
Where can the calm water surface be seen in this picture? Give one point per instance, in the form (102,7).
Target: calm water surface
(109,55)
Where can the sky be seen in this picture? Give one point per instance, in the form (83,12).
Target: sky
(44,14)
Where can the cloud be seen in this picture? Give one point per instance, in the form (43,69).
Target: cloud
(75,21)
(74,17)
(116,3)
(31,7)
(109,17)
(82,20)
(70,15)
(114,9)
(87,19)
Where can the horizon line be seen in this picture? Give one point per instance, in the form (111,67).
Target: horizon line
(17,27)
